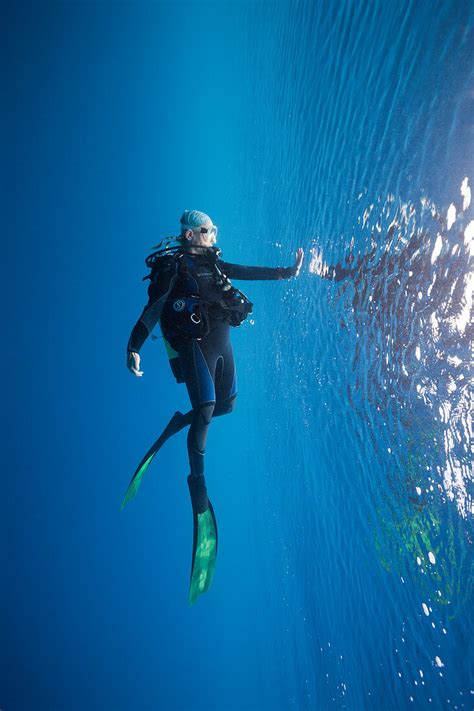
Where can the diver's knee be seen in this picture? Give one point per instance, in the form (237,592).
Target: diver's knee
(205,412)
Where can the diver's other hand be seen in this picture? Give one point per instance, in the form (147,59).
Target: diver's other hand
(318,265)
(298,260)
(133,363)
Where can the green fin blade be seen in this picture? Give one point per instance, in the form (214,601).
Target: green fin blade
(204,554)
(177,422)
(136,480)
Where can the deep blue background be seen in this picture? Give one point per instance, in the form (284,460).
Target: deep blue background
(284,122)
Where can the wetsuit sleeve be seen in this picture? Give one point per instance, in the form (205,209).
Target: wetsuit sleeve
(239,271)
(158,292)
(354,268)
(338,273)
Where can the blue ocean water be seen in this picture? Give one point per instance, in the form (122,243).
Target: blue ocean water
(343,482)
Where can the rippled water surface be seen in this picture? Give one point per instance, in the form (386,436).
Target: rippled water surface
(363,139)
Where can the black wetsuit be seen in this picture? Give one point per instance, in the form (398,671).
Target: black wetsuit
(207,364)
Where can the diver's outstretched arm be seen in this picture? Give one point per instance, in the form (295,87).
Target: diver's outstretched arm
(248,273)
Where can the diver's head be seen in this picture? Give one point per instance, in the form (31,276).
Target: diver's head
(197,229)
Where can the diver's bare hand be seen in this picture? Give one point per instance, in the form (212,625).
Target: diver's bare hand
(133,364)
(299,260)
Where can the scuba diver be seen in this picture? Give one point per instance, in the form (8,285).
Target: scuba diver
(191,296)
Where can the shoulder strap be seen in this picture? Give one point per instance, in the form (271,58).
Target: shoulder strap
(156,261)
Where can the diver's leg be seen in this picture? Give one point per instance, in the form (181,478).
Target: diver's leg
(198,364)
(200,383)
(197,437)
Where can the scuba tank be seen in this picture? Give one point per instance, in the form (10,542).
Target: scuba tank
(185,313)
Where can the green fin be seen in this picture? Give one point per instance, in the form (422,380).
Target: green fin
(177,422)
(204,553)
(136,480)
